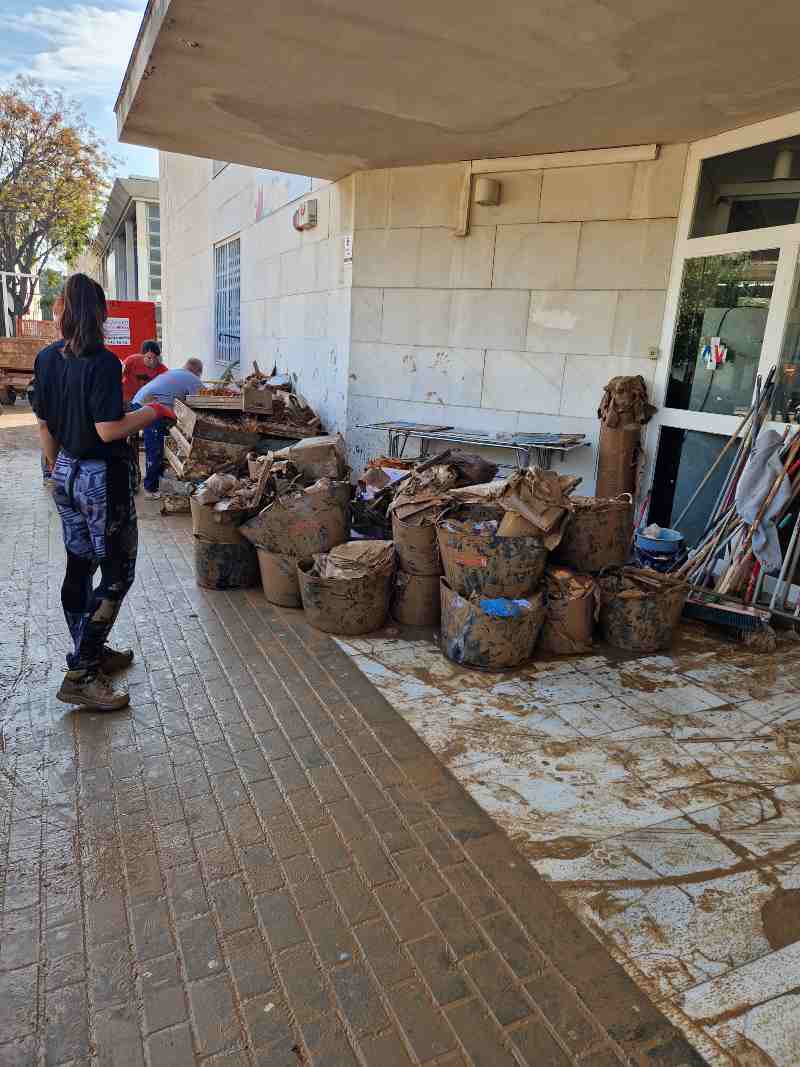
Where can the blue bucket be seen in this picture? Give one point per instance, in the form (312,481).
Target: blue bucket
(670,541)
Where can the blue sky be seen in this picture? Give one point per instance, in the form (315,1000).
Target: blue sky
(81,49)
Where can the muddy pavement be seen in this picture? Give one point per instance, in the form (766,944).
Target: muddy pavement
(259,863)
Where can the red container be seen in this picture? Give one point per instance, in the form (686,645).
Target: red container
(129,324)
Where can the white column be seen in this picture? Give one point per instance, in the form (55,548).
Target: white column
(131,280)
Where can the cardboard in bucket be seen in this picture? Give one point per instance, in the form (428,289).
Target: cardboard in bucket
(573,604)
(490,632)
(640,609)
(279,578)
(535,503)
(220,526)
(476,559)
(304,522)
(416,600)
(347,590)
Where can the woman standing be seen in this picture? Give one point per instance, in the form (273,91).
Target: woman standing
(84,431)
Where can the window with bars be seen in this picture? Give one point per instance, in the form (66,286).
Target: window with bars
(227,300)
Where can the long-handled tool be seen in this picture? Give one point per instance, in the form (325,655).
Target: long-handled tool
(751,414)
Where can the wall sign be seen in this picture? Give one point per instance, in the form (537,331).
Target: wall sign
(117,331)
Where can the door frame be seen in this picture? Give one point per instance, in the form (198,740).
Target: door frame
(784,238)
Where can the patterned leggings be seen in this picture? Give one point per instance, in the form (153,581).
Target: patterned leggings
(98,518)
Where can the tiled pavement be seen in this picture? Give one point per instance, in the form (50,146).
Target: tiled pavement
(260,863)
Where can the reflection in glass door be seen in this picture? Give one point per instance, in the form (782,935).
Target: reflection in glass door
(722,316)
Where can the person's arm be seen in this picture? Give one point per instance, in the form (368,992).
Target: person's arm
(105,403)
(133,422)
(49,443)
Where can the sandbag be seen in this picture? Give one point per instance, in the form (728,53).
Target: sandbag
(573,602)
(598,533)
(640,609)
(347,606)
(303,522)
(491,633)
(417,546)
(416,599)
(476,559)
(279,578)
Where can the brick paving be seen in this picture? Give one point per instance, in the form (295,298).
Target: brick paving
(259,864)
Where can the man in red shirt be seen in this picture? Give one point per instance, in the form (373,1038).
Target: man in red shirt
(139,369)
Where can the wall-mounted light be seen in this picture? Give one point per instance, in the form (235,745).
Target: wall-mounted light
(486,192)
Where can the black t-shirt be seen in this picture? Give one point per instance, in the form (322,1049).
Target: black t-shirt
(72,393)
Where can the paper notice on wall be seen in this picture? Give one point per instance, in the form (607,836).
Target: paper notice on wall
(117,331)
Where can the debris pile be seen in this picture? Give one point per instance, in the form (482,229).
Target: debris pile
(216,428)
(237,448)
(500,563)
(307,493)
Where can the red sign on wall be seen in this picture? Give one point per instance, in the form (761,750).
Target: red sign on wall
(129,324)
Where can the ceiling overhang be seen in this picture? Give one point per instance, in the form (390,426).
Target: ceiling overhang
(325,87)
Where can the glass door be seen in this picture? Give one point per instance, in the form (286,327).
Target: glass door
(723,307)
(732,322)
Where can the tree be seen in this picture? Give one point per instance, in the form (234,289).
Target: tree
(53,174)
(51,283)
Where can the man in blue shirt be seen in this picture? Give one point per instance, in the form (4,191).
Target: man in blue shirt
(164,389)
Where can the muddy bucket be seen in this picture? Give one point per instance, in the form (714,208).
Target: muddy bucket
(640,609)
(572,603)
(416,599)
(347,606)
(224,566)
(303,521)
(417,547)
(477,561)
(220,526)
(598,534)
(279,578)
(490,633)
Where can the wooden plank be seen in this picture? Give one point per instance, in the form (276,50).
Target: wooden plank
(255,401)
(184,445)
(186,418)
(174,459)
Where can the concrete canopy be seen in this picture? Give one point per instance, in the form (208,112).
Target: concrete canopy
(325,87)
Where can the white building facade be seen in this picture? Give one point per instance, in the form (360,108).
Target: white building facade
(127,248)
(627,232)
(381,311)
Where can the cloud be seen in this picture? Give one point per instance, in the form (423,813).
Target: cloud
(81,49)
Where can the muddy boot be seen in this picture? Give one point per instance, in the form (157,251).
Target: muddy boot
(91,690)
(113,660)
